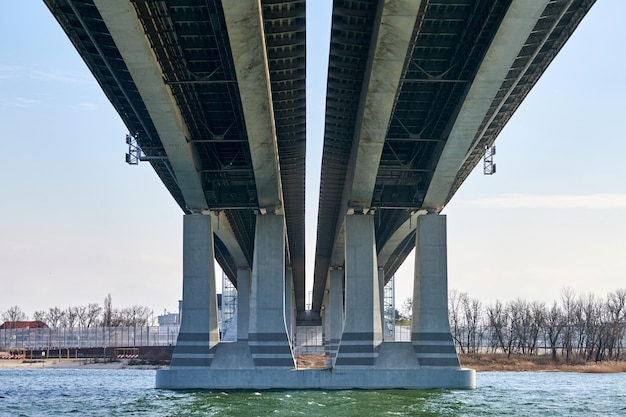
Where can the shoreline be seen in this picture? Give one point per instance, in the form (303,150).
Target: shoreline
(516,363)
(72,364)
(478,362)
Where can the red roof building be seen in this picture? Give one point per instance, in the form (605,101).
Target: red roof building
(23,325)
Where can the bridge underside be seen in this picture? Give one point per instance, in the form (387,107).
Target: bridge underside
(213,92)
(417,90)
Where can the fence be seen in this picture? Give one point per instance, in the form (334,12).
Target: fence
(308,339)
(49,338)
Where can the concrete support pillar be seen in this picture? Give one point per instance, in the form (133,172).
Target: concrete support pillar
(268,340)
(294,315)
(199,333)
(381,293)
(362,331)
(243,303)
(289,304)
(335,305)
(430,330)
(326,321)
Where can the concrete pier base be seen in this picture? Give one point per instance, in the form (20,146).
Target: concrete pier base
(396,368)
(335,379)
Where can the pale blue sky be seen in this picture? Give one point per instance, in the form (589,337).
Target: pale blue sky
(77,223)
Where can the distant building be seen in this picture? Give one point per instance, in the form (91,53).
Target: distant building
(168,319)
(171,319)
(23,325)
(225,310)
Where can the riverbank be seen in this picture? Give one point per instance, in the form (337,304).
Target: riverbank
(72,364)
(478,362)
(536,363)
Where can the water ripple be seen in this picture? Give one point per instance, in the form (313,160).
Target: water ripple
(54,392)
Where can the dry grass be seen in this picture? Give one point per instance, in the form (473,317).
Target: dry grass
(606,367)
(499,362)
(311,361)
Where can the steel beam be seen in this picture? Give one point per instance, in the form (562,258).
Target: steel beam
(244,22)
(125,28)
(517,25)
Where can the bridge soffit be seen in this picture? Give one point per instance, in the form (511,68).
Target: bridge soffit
(394,33)
(244,22)
(388,248)
(222,229)
(125,28)
(399,235)
(516,27)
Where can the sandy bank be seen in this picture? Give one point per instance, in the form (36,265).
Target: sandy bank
(479,362)
(70,364)
(500,363)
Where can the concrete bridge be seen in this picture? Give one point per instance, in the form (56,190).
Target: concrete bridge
(213,95)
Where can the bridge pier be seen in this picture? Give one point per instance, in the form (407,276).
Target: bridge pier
(430,327)
(268,339)
(243,303)
(336,313)
(199,333)
(289,302)
(325,313)
(381,299)
(362,331)
(263,359)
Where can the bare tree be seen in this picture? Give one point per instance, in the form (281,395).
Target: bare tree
(500,327)
(473,311)
(92,314)
(136,315)
(126,317)
(55,317)
(407,308)
(555,323)
(616,308)
(537,324)
(141,315)
(39,316)
(118,318)
(589,321)
(518,312)
(568,299)
(81,316)
(455,299)
(107,312)
(70,318)
(13,314)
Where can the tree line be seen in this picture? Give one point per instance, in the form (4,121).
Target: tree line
(85,316)
(576,327)
(579,326)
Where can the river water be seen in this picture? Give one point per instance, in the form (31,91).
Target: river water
(58,392)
